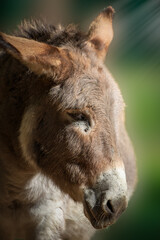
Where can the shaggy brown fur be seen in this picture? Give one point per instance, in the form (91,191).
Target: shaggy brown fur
(61,129)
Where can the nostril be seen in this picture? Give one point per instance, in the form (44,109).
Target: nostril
(109,206)
(114,206)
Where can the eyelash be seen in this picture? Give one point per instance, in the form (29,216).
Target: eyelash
(79,117)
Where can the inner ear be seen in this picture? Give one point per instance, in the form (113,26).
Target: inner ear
(100,32)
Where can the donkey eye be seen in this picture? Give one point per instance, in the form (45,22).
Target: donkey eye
(80,120)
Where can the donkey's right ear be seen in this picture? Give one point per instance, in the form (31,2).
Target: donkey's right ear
(39,57)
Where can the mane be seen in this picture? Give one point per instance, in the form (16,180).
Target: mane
(40,31)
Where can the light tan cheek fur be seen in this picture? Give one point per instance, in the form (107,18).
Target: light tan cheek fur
(25,136)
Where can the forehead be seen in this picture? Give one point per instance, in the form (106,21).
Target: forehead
(91,85)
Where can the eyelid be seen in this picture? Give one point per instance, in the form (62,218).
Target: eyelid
(79,116)
(87,112)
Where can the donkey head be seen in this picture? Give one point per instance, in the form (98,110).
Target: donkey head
(73,124)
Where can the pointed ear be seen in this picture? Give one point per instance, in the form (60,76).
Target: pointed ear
(101,33)
(39,57)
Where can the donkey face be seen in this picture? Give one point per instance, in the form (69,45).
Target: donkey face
(73,125)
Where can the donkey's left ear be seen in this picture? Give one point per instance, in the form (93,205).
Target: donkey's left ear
(39,57)
(100,32)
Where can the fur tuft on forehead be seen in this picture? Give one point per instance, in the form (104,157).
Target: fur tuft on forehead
(41,31)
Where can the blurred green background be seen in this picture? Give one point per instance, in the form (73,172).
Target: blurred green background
(134,60)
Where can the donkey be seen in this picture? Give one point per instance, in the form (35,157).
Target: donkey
(67,164)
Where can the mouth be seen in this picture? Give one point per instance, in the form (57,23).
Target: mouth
(98,218)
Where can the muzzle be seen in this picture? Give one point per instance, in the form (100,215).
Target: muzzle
(107,199)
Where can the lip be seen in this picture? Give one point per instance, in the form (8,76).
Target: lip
(98,218)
